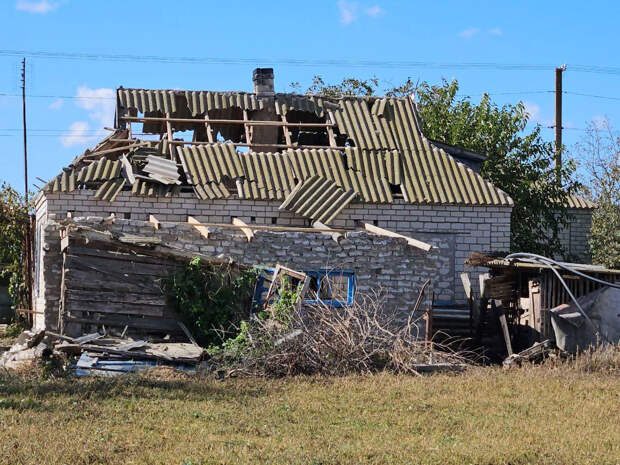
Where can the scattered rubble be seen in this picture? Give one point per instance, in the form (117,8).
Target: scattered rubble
(97,351)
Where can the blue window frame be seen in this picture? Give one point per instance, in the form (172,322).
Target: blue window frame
(335,288)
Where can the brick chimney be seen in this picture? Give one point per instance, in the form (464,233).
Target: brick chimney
(263,82)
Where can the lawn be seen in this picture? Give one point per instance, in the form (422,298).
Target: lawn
(536,415)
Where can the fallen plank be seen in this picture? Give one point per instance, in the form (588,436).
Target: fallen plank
(384,232)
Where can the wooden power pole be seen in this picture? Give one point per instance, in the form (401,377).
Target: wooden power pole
(558,122)
(28,243)
(24,123)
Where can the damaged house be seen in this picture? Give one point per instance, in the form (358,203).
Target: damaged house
(347,190)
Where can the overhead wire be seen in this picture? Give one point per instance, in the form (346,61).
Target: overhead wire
(385,64)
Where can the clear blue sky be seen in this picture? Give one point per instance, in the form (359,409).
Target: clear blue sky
(527,32)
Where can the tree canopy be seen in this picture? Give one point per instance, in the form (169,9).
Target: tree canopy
(13,222)
(520,161)
(599,152)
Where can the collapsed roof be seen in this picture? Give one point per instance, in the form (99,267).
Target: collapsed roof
(315,154)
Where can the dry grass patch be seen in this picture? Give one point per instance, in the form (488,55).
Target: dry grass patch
(545,415)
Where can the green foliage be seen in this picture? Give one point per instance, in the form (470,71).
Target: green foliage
(212,299)
(282,309)
(13,226)
(599,150)
(520,161)
(349,87)
(605,234)
(280,312)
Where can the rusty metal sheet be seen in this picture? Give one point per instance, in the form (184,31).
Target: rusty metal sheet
(318,198)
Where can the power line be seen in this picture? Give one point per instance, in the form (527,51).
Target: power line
(613,70)
(591,95)
(6,94)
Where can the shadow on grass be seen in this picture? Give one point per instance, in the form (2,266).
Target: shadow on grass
(127,386)
(21,405)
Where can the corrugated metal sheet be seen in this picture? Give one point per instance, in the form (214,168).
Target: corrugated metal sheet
(318,198)
(154,189)
(578,202)
(210,163)
(211,191)
(110,189)
(100,170)
(161,169)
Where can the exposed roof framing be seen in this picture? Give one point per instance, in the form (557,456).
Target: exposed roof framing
(374,151)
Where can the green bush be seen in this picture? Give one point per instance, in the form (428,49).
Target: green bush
(211,299)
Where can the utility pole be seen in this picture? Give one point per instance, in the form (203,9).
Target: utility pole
(558,122)
(24,123)
(27,245)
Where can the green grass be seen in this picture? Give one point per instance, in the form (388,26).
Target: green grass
(540,415)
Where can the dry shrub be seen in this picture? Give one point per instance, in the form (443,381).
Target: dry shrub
(604,359)
(362,338)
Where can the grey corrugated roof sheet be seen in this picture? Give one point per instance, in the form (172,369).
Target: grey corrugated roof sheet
(318,198)
(579,202)
(386,153)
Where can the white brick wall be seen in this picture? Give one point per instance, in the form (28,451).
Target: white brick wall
(460,229)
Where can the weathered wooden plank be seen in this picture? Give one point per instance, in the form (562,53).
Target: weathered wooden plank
(203,230)
(120,321)
(117,298)
(92,306)
(91,280)
(117,266)
(244,228)
(385,232)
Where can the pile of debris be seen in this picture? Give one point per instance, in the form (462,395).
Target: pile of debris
(100,353)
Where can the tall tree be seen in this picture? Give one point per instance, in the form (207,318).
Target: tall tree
(520,161)
(599,152)
(13,221)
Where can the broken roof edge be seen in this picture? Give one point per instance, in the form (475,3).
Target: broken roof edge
(519,263)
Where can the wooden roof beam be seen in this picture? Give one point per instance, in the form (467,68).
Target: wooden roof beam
(203,230)
(384,232)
